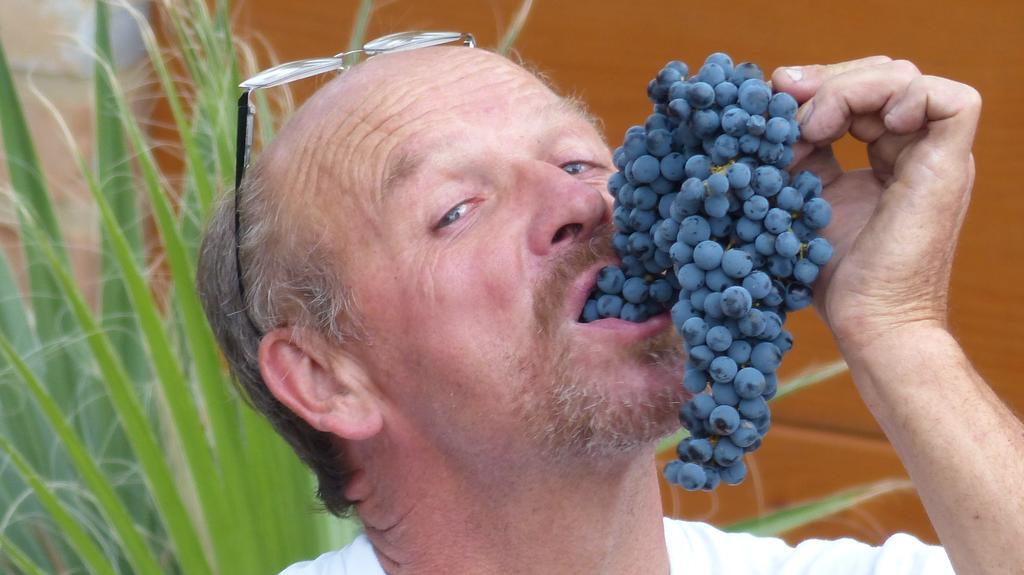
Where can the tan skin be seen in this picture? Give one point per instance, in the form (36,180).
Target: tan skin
(450,480)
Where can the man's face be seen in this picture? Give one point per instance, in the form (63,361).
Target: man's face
(475,221)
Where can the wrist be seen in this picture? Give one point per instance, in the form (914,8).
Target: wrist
(865,343)
(896,363)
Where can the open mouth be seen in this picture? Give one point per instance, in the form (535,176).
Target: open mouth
(585,292)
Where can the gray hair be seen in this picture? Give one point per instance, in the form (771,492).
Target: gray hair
(289,281)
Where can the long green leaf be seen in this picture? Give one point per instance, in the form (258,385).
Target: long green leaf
(515,28)
(801,514)
(813,376)
(20,559)
(113,168)
(76,536)
(136,550)
(357,37)
(142,436)
(23,424)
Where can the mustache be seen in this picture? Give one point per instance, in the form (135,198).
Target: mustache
(573,260)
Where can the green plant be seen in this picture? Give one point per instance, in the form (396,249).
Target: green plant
(123,447)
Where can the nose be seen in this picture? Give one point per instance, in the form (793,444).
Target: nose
(565,209)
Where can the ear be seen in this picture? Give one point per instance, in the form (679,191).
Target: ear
(323,384)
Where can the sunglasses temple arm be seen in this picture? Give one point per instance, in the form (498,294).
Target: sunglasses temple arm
(243,142)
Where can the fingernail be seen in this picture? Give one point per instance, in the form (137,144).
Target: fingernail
(795,73)
(803,115)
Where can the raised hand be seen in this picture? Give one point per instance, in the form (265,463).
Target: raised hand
(895,225)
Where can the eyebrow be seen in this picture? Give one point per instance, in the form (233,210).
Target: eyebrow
(407,164)
(409,161)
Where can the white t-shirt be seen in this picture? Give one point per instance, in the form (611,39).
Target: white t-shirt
(700,549)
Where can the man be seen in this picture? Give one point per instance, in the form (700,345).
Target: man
(417,244)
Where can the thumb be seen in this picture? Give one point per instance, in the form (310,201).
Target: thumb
(802,82)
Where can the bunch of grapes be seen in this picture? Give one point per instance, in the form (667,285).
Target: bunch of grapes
(712,226)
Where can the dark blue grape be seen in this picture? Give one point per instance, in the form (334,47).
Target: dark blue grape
(609,305)
(733,474)
(724,394)
(724,419)
(721,227)
(701,357)
(749,383)
(646,168)
(633,312)
(713,306)
(736,302)
(758,284)
(659,142)
(765,357)
(789,199)
(641,220)
(787,244)
(679,107)
(726,94)
(641,245)
(765,244)
(734,122)
(819,251)
(590,311)
(777,221)
(634,290)
(704,122)
(817,213)
(691,476)
(745,434)
(752,324)
(737,263)
(672,166)
(694,380)
(749,143)
(767,181)
(707,255)
(610,279)
(718,339)
(804,271)
(700,95)
(775,131)
(727,454)
(747,230)
(716,280)
(755,407)
(798,297)
(782,105)
(716,206)
(681,254)
(723,369)
(694,331)
(699,450)
(756,207)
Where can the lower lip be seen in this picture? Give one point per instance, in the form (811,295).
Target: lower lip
(628,330)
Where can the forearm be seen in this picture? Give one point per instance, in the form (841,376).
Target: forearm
(963,449)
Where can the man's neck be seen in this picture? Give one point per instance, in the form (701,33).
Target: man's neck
(515,517)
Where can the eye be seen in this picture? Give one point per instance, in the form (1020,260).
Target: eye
(574,168)
(453,215)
